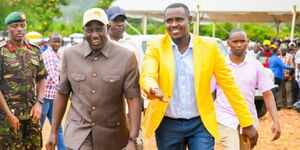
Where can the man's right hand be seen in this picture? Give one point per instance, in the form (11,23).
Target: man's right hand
(250,133)
(52,140)
(13,122)
(155,93)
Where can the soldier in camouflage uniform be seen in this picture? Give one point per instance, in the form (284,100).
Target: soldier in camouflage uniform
(22,74)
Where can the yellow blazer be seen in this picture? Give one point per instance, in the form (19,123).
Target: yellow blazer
(159,70)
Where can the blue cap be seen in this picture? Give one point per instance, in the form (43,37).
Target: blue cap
(115,11)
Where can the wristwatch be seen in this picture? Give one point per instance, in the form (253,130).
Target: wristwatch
(41,101)
(134,139)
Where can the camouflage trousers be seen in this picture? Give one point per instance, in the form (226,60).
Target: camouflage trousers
(28,137)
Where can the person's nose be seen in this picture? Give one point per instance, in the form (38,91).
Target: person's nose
(95,35)
(19,28)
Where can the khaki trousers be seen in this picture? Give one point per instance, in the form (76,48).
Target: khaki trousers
(229,138)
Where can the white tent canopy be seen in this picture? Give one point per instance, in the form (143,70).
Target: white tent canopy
(218,10)
(259,11)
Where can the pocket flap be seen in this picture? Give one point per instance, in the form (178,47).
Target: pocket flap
(78,77)
(113,122)
(111,78)
(35,61)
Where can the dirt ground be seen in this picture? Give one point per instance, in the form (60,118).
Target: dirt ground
(289,140)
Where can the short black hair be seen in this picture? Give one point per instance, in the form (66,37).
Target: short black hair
(235,31)
(55,34)
(274,50)
(178,5)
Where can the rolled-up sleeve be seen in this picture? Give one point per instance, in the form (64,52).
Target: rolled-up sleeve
(41,70)
(131,82)
(64,86)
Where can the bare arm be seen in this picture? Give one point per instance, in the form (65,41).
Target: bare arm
(59,108)
(134,106)
(271,107)
(41,89)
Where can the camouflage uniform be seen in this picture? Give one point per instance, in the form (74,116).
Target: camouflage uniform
(19,72)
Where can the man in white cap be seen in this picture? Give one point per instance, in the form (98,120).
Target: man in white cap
(98,73)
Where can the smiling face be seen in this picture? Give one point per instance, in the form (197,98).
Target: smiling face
(95,34)
(238,43)
(17,31)
(177,22)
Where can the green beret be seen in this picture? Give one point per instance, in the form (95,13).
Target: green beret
(15,17)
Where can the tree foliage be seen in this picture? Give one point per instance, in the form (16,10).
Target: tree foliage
(44,16)
(39,13)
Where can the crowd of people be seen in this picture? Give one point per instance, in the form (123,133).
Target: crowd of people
(283,58)
(107,75)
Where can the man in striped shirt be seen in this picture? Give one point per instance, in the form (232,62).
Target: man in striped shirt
(52,63)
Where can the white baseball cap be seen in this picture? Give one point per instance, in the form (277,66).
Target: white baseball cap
(94,14)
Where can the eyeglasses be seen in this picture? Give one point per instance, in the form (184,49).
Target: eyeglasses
(91,31)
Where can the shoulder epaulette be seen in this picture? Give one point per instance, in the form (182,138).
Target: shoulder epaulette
(2,44)
(34,45)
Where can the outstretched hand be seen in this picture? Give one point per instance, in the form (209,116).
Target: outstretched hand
(155,93)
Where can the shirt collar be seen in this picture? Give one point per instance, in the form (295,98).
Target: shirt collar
(105,51)
(246,60)
(50,49)
(190,43)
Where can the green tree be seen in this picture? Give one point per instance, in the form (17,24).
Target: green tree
(39,13)
(103,4)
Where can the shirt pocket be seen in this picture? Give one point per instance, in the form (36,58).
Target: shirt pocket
(12,64)
(78,81)
(34,65)
(112,85)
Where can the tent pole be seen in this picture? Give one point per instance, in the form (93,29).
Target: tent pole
(293,22)
(133,28)
(197,20)
(214,29)
(144,24)
(277,25)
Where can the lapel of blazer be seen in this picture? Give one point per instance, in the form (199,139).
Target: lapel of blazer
(197,54)
(169,59)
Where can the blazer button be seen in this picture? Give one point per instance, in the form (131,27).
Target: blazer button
(96,58)
(118,123)
(93,91)
(94,75)
(93,124)
(93,108)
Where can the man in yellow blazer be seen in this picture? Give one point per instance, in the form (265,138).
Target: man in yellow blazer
(176,76)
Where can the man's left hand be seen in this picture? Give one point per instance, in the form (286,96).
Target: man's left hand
(275,129)
(36,112)
(250,133)
(130,146)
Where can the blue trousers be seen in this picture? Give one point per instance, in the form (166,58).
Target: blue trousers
(178,134)
(47,112)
